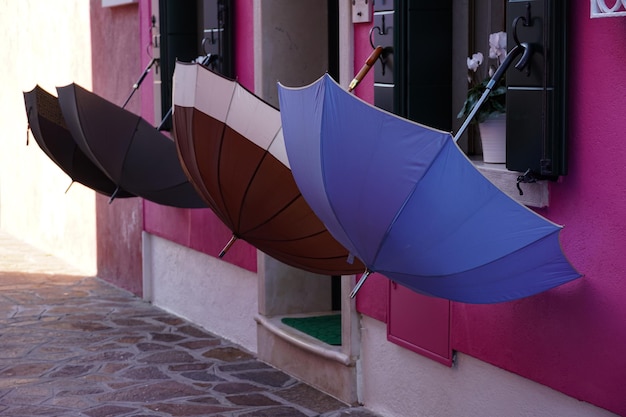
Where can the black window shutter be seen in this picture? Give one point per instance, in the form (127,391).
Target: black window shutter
(179,31)
(536,99)
(423,67)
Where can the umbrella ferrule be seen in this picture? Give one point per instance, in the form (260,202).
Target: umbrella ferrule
(69,186)
(232,240)
(360,283)
(117,190)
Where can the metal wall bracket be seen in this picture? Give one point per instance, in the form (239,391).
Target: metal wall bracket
(361,11)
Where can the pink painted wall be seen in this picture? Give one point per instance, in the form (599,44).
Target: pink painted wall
(362,51)
(146,92)
(244,43)
(118,225)
(200,229)
(571,338)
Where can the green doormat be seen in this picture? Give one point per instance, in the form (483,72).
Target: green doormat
(325,328)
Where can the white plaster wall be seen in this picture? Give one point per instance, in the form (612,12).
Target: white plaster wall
(288,290)
(290,44)
(45,42)
(396,382)
(216,295)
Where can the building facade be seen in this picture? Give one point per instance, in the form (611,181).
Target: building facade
(556,353)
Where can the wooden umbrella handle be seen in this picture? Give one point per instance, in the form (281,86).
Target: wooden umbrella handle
(371,60)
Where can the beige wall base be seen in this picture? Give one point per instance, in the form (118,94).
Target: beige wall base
(326,372)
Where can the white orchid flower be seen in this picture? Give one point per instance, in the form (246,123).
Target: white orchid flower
(474,62)
(497,46)
(495,102)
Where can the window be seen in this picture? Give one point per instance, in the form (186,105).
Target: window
(536,99)
(431,41)
(185,31)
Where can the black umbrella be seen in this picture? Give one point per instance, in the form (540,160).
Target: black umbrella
(47,125)
(133,154)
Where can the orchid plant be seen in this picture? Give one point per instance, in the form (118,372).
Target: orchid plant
(495,102)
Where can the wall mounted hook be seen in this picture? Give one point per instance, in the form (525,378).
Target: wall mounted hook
(527,22)
(381,31)
(387,53)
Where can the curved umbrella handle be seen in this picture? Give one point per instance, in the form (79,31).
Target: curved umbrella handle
(526,50)
(371,60)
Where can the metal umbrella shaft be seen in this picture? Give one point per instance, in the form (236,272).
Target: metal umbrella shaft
(140,80)
(517,49)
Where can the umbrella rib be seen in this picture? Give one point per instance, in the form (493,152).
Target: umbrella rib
(282,209)
(287,240)
(219,160)
(404,203)
(245,195)
(192,160)
(129,142)
(334,211)
(219,175)
(521,269)
(338,258)
(493,260)
(249,185)
(345,232)
(276,214)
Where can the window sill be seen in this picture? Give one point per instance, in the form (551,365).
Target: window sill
(535,194)
(303,340)
(115,3)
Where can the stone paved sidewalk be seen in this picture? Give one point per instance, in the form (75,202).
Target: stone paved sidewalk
(77,346)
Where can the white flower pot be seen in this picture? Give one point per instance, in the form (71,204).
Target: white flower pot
(493,138)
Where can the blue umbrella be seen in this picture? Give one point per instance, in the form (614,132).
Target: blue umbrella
(405,200)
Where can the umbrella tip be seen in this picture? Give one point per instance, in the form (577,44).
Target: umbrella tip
(232,240)
(117,189)
(360,283)
(69,186)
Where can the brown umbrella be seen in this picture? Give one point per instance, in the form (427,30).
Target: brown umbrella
(48,127)
(231,146)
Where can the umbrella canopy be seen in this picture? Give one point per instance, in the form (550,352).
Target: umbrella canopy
(230,143)
(50,132)
(404,199)
(129,150)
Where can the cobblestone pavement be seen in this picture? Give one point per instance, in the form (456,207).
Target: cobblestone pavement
(76,346)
